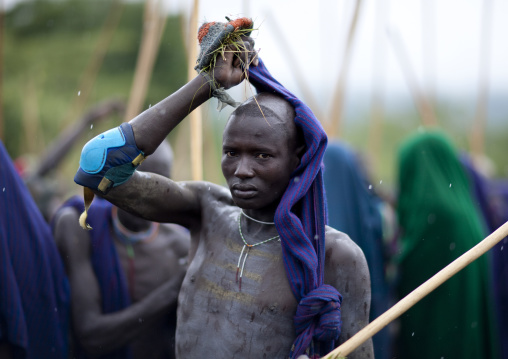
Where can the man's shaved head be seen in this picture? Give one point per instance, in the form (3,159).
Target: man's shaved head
(274,111)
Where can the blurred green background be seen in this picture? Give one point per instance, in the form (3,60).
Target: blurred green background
(48,46)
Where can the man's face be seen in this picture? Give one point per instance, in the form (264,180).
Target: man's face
(257,160)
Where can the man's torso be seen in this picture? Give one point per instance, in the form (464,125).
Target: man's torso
(215,318)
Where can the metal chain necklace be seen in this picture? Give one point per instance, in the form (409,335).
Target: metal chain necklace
(254,219)
(249,246)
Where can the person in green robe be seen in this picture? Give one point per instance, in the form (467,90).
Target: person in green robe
(439,222)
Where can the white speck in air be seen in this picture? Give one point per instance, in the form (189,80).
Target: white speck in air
(79,93)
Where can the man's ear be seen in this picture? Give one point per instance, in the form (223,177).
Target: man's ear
(300,150)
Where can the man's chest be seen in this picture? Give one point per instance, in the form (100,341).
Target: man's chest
(244,319)
(147,265)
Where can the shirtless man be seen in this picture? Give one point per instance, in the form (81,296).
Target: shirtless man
(236,301)
(148,258)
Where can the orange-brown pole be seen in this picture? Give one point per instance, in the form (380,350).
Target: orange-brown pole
(333,129)
(196,119)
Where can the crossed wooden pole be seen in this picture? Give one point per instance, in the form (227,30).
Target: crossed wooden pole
(419,293)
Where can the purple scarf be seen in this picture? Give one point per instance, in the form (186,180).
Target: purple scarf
(303,234)
(106,266)
(34,290)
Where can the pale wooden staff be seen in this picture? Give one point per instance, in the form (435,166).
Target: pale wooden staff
(422,104)
(478,130)
(429,49)
(196,118)
(153,26)
(334,122)
(90,74)
(295,69)
(419,293)
(378,86)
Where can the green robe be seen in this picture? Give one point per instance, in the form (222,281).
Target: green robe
(439,222)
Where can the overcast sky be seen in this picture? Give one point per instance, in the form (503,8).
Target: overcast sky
(442,40)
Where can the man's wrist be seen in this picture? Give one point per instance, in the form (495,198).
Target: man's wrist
(219,92)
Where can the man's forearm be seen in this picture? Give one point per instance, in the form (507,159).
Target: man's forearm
(153,125)
(107,332)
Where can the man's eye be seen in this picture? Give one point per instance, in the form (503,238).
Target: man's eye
(230,153)
(263,156)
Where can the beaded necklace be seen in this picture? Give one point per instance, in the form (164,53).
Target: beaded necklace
(249,246)
(129,238)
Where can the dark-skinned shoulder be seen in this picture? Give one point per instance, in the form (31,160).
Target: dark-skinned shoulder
(69,236)
(343,252)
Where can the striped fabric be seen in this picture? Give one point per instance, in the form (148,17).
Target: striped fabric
(34,299)
(106,266)
(302,234)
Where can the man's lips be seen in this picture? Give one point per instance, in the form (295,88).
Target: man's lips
(243,191)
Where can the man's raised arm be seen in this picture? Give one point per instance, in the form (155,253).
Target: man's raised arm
(109,159)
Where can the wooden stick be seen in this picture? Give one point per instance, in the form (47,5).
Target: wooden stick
(335,120)
(478,130)
(90,74)
(153,25)
(419,293)
(422,104)
(196,120)
(295,69)
(377,111)
(429,49)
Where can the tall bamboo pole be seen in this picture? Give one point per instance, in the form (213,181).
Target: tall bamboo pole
(153,25)
(378,84)
(477,138)
(419,293)
(429,49)
(295,69)
(333,128)
(92,70)
(196,119)
(422,104)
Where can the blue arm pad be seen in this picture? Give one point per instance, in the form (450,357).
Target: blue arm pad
(109,159)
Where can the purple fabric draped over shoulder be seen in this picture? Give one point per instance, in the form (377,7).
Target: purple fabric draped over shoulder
(318,317)
(34,302)
(106,266)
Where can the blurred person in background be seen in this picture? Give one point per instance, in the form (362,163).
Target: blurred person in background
(439,222)
(34,299)
(355,209)
(125,275)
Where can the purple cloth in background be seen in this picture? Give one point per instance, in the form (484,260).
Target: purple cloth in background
(106,266)
(499,199)
(318,318)
(34,302)
(491,197)
(354,209)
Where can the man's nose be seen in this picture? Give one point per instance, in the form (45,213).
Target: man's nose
(244,168)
